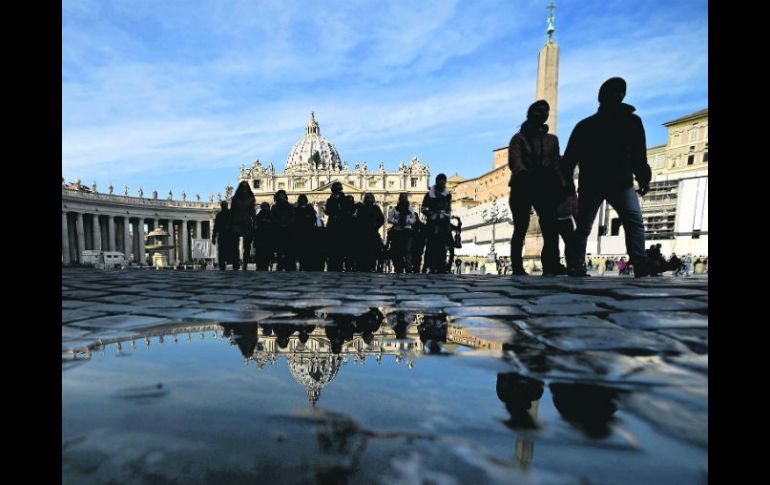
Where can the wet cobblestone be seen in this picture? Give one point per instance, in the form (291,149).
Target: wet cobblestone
(643,342)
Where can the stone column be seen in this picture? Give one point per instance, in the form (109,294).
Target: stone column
(65,238)
(127,246)
(172,242)
(198,234)
(81,234)
(140,235)
(111,234)
(97,230)
(185,255)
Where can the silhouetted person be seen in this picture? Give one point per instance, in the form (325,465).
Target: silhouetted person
(368,221)
(243,213)
(432,332)
(518,393)
(437,208)
(536,181)
(305,235)
(458,264)
(455,240)
(587,406)
(263,238)
(610,148)
(418,245)
(223,237)
(400,236)
(335,236)
(368,323)
(282,217)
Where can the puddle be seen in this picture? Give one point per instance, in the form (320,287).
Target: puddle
(339,395)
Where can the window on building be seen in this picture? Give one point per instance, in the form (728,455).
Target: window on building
(705,157)
(256,184)
(693,135)
(391,183)
(692,148)
(372,183)
(281,185)
(414,181)
(696,233)
(300,184)
(615,226)
(690,159)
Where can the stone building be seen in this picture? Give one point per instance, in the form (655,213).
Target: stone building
(111,222)
(314,163)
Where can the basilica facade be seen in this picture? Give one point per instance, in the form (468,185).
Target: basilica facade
(314,163)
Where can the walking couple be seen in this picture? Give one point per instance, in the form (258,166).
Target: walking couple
(609,148)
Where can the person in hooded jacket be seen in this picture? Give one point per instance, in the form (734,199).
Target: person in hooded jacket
(304,234)
(263,238)
(369,220)
(610,149)
(401,219)
(437,208)
(536,181)
(223,237)
(242,217)
(282,216)
(334,234)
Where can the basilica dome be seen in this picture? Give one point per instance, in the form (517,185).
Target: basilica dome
(314,372)
(299,158)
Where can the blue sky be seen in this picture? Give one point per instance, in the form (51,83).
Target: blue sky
(176,95)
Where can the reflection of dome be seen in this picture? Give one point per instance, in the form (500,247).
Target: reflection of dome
(314,372)
(312,142)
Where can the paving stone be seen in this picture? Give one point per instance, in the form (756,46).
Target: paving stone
(214,297)
(232,316)
(697,362)
(564,309)
(620,339)
(660,304)
(681,412)
(313,303)
(119,298)
(75,304)
(562,298)
(484,311)
(659,320)
(167,294)
(568,322)
(119,321)
(697,339)
(82,294)
(159,303)
(656,292)
(498,301)
(76,314)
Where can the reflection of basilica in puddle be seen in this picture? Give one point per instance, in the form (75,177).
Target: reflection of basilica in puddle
(314,348)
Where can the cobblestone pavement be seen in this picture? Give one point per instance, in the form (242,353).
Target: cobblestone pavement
(645,339)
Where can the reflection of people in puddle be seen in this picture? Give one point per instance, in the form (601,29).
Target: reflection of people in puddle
(520,395)
(368,323)
(586,406)
(282,334)
(304,332)
(246,337)
(400,322)
(433,332)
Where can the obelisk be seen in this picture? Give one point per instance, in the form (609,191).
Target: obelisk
(548,74)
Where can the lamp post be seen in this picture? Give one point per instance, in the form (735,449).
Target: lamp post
(494,215)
